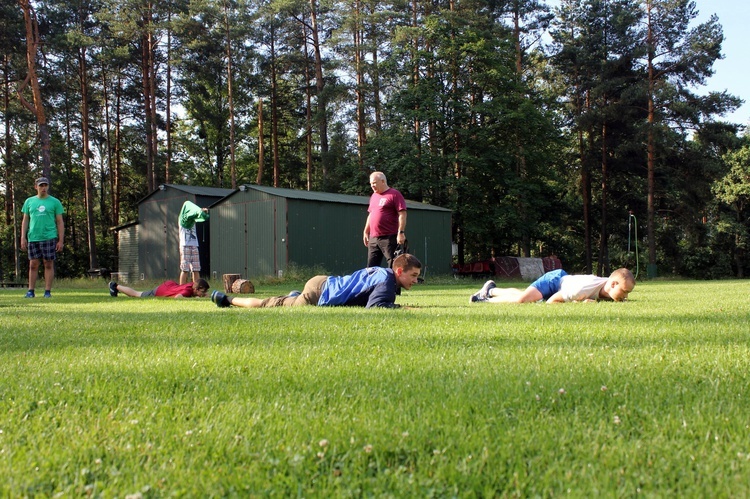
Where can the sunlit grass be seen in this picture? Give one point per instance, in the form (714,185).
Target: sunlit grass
(163,397)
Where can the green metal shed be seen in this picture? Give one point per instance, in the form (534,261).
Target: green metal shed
(158,236)
(127,253)
(262,231)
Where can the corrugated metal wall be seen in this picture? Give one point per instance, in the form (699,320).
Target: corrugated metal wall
(229,252)
(258,233)
(330,235)
(127,250)
(247,226)
(152,247)
(159,238)
(327,235)
(429,236)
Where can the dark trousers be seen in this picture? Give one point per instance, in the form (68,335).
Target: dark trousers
(379,247)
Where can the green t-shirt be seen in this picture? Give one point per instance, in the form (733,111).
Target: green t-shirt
(42,215)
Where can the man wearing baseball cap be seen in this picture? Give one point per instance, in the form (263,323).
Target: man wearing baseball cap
(42,234)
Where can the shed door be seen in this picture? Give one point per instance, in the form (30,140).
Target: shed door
(261,237)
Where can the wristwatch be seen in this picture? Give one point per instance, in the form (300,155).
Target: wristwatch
(401,232)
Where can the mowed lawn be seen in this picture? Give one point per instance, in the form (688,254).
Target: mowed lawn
(105,397)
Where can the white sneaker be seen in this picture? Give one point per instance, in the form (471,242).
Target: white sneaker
(484,293)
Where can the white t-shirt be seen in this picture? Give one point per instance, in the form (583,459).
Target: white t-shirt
(188,237)
(581,287)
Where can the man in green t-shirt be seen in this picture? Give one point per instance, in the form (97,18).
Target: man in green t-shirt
(42,234)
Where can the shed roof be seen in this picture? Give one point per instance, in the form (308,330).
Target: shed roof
(195,190)
(329,197)
(123,226)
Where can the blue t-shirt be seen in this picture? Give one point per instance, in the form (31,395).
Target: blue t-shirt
(370,287)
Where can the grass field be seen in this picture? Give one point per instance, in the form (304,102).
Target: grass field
(124,397)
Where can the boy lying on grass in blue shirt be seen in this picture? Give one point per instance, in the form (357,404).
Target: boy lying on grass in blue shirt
(369,287)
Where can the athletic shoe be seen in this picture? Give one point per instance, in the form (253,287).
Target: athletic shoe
(112,289)
(220,299)
(294,294)
(47,294)
(30,294)
(485,291)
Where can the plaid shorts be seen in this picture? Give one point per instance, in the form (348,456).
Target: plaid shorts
(190,259)
(44,250)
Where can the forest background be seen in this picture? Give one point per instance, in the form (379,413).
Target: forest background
(574,130)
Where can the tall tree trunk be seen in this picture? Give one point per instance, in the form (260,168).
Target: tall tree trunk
(152,42)
(274,113)
(8,140)
(585,189)
(261,144)
(603,267)
(117,175)
(88,193)
(148,111)
(108,146)
(454,72)
(308,110)
(651,148)
(232,163)
(433,138)
(586,194)
(33,41)
(520,154)
(360,83)
(590,169)
(415,76)
(456,141)
(168,110)
(322,111)
(148,70)
(10,199)
(375,75)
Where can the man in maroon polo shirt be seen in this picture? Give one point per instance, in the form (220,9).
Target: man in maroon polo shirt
(385,227)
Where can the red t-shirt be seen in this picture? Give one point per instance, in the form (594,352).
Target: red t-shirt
(384,210)
(171,288)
